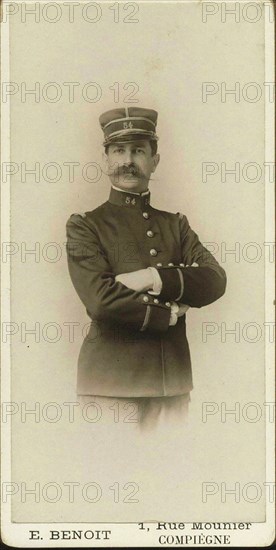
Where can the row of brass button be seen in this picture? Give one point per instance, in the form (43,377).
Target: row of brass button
(154,252)
(146,299)
(150,234)
(159,264)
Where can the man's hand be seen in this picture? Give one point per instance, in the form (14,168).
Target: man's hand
(177,310)
(140,280)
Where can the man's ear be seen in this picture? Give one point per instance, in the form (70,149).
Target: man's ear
(156,160)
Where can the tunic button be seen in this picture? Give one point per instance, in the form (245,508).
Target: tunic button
(146,299)
(145,215)
(171,264)
(153,252)
(150,233)
(159,264)
(156,301)
(168,304)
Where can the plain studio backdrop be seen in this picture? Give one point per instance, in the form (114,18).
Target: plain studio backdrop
(161,60)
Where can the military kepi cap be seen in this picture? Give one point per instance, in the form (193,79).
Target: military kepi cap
(128,123)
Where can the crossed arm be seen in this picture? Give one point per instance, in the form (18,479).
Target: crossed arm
(127,298)
(144,280)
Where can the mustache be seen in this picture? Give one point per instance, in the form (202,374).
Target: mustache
(126,169)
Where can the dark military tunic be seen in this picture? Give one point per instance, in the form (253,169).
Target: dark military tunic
(130,349)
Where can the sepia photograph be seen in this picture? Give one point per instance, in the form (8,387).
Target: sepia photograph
(137,274)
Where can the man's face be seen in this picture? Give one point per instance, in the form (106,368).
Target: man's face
(130,165)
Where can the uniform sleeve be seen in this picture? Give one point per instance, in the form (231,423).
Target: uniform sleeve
(194,286)
(94,281)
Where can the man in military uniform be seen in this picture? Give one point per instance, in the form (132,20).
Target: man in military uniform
(137,270)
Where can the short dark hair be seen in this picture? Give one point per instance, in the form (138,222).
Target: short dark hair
(152,142)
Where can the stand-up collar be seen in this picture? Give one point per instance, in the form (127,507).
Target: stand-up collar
(131,200)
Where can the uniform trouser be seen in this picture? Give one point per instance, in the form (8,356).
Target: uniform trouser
(146,412)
